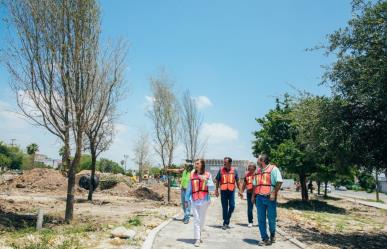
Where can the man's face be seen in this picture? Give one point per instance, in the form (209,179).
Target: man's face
(259,162)
(226,163)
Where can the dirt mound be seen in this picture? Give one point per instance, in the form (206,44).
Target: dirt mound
(40,180)
(121,189)
(146,193)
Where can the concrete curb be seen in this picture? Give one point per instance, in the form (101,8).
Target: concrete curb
(148,243)
(291,239)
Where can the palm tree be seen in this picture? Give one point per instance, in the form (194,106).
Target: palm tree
(62,154)
(31,150)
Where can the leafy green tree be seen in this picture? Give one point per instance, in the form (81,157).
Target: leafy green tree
(275,128)
(85,162)
(358,76)
(106,165)
(5,161)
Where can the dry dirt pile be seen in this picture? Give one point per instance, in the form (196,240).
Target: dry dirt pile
(146,193)
(40,180)
(121,189)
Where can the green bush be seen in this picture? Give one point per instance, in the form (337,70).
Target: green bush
(355,187)
(367,181)
(108,183)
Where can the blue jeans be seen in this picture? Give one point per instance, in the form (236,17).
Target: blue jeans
(228,205)
(187,210)
(250,206)
(266,208)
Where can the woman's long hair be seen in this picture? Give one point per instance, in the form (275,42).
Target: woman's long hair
(203,166)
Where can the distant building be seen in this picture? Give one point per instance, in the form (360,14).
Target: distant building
(41,158)
(382,182)
(213,165)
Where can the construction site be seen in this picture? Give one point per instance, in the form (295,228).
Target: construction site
(119,203)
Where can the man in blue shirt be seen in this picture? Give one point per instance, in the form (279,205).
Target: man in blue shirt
(267,183)
(226,179)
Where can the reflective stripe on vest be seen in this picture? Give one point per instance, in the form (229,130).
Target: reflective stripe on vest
(199,186)
(227,179)
(263,181)
(249,180)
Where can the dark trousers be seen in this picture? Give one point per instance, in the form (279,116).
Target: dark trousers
(250,207)
(228,205)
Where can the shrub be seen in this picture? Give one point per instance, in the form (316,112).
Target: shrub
(108,183)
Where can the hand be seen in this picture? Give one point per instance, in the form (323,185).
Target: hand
(273,196)
(217,193)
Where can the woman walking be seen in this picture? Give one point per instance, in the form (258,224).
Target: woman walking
(197,193)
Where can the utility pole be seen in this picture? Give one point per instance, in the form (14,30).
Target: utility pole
(13,141)
(125,159)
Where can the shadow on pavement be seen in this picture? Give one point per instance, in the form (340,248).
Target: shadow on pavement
(375,240)
(188,241)
(241,224)
(312,205)
(215,226)
(251,241)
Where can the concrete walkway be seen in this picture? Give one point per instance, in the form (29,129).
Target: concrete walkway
(178,235)
(360,201)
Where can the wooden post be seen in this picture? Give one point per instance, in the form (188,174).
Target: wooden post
(39,221)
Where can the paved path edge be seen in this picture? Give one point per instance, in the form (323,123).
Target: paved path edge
(148,243)
(291,239)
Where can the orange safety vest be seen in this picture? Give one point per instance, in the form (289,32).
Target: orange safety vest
(249,177)
(227,179)
(199,186)
(263,180)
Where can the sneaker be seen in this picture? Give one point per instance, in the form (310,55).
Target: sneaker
(224,227)
(266,242)
(272,238)
(250,225)
(228,226)
(197,243)
(186,221)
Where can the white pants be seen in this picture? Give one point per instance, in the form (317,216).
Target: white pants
(199,213)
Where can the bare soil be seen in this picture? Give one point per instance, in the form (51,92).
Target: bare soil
(46,189)
(332,222)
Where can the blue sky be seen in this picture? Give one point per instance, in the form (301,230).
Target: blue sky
(237,55)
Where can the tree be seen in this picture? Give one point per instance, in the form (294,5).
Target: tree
(191,123)
(54,66)
(358,76)
(100,129)
(164,114)
(108,166)
(31,150)
(142,152)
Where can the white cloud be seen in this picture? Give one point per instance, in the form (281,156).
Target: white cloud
(219,133)
(202,102)
(149,100)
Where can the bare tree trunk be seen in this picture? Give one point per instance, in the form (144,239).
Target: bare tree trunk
(304,189)
(69,213)
(377,185)
(318,187)
(93,166)
(326,189)
(169,188)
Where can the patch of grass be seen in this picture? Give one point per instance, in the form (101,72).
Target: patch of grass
(340,227)
(134,221)
(372,200)
(44,239)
